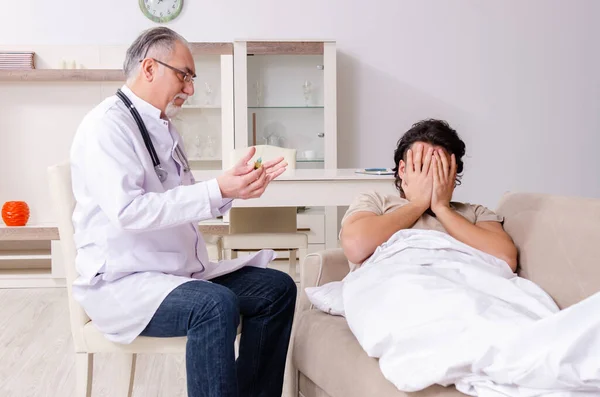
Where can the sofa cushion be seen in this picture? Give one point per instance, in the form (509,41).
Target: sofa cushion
(558,242)
(326,352)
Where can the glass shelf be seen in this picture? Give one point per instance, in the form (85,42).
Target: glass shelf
(201,107)
(310,160)
(285,107)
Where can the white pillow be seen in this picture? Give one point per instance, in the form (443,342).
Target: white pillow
(327,298)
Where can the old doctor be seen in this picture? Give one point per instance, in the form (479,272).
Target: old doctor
(143,267)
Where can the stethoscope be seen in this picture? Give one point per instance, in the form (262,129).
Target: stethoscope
(160,172)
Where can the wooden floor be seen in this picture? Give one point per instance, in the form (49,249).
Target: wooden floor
(37,359)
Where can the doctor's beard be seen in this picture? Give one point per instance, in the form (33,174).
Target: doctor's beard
(172,109)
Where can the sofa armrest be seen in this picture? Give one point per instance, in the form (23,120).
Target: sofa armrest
(316,269)
(321,268)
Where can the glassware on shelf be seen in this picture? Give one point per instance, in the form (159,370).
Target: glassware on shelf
(310,154)
(197,146)
(208,91)
(307,89)
(273,140)
(259,92)
(210,147)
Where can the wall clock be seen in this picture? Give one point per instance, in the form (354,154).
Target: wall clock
(161,10)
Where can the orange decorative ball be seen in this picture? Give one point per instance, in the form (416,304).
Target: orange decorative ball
(15,213)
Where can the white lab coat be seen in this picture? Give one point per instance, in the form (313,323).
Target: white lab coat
(137,238)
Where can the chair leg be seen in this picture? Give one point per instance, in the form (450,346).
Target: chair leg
(292,271)
(84,368)
(125,362)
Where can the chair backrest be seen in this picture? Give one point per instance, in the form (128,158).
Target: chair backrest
(61,190)
(262,219)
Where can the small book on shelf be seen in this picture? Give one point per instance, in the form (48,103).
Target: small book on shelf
(375,171)
(17,60)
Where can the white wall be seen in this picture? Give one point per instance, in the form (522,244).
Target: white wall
(520,80)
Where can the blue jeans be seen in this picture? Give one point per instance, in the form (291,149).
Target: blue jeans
(208,313)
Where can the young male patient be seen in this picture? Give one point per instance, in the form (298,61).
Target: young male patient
(428,162)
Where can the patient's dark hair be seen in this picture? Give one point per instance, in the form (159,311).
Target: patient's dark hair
(434,132)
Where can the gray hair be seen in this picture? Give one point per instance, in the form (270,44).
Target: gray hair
(153,42)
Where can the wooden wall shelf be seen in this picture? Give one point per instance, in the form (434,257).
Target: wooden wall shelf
(84,75)
(284,48)
(28,233)
(211,48)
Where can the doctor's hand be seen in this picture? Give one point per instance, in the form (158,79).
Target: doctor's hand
(244,182)
(417,182)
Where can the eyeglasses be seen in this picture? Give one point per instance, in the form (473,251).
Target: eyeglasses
(185,76)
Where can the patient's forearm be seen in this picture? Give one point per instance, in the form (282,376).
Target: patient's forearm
(493,243)
(362,236)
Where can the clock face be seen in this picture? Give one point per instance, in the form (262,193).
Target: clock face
(161,10)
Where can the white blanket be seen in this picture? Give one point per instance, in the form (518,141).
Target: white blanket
(434,310)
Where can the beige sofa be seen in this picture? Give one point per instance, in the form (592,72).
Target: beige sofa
(559,249)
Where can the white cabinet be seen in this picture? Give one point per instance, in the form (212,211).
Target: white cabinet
(249,92)
(285,95)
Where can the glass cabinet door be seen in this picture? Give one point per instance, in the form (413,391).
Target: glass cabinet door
(285,103)
(206,119)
